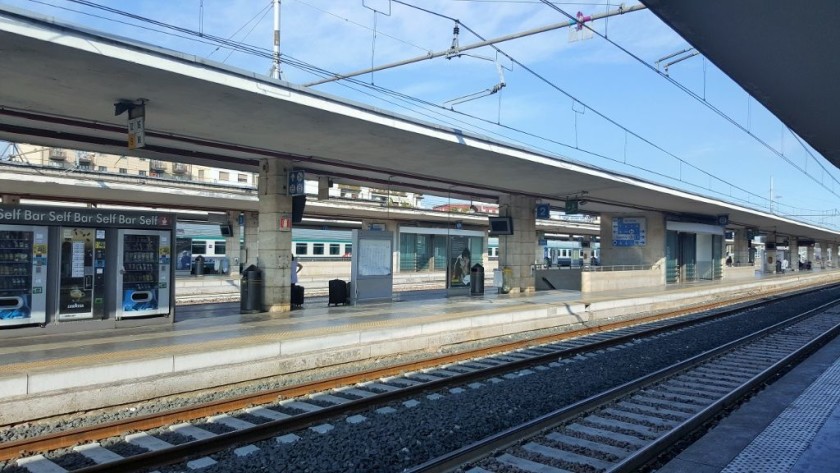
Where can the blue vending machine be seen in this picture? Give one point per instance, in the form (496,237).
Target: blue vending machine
(23,275)
(143,283)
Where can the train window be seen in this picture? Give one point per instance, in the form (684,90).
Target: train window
(220,248)
(317,248)
(348,249)
(301,249)
(199,247)
(335,249)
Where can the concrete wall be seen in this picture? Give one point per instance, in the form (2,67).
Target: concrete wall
(597,281)
(653,253)
(738,272)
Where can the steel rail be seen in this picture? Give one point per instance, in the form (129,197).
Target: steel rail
(68,438)
(183,452)
(510,437)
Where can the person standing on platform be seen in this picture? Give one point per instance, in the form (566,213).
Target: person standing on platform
(296,267)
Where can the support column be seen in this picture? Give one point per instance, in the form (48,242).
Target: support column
(823,253)
(809,255)
(519,256)
(741,249)
(9,199)
(393,227)
(770,256)
(232,243)
(793,246)
(323,188)
(275,240)
(252,244)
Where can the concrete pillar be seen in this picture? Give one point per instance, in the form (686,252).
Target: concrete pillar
(823,253)
(232,244)
(275,235)
(9,199)
(809,255)
(252,244)
(394,227)
(520,246)
(793,245)
(741,250)
(323,188)
(769,263)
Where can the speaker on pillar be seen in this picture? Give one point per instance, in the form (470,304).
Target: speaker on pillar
(298,203)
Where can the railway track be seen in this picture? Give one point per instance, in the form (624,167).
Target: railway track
(302,409)
(624,429)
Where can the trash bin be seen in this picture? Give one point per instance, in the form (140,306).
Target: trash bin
(477,280)
(507,279)
(251,291)
(199,265)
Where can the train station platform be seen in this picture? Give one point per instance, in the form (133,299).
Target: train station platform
(791,426)
(215,345)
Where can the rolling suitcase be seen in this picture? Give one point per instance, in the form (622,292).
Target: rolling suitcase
(297,296)
(338,292)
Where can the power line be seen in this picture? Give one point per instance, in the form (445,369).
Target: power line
(254,50)
(698,98)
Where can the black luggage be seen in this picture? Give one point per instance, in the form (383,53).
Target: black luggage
(338,292)
(297,296)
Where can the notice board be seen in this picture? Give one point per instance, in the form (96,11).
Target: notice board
(372,266)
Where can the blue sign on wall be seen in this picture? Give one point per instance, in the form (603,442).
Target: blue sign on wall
(543,211)
(296,184)
(629,231)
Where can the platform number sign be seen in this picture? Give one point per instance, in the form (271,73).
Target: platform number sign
(543,211)
(296,184)
(629,231)
(136,132)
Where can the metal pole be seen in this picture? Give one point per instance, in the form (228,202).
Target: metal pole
(458,50)
(275,67)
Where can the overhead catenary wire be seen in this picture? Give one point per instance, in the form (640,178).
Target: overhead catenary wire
(480,44)
(250,49)
(700,99)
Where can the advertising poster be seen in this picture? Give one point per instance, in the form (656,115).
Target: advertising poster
(183,250)
(460,261)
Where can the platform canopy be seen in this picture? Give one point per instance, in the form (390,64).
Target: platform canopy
(60,84)
(782,53)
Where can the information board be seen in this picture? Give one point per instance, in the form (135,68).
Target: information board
(371,266)
(629,231)
(374,258)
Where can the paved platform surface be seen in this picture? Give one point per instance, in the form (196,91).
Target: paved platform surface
(792,426)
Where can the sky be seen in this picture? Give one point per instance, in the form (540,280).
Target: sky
(586,100)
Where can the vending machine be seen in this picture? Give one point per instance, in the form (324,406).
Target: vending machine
(143,283)
(23,275)
(81,283)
